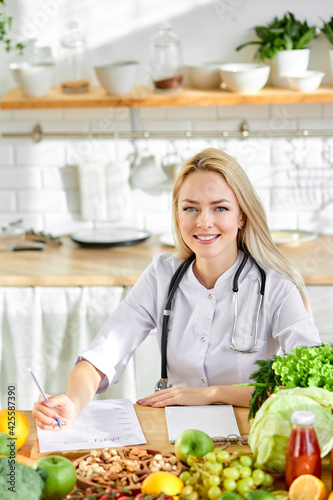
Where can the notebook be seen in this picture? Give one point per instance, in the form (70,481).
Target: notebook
(218,421)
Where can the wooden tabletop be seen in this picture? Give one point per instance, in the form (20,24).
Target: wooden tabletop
(72,265)
(153,423)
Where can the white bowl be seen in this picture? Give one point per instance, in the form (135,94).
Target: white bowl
(118,77)
(246,78)
(307,81)
(205,76)
(34,80)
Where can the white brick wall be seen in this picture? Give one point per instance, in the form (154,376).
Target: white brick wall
(293,177)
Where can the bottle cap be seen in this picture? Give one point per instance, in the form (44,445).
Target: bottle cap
(303,418)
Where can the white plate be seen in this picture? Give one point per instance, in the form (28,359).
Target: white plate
(167,239)
(119,236)
(291,236)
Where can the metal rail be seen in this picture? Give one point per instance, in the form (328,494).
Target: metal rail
(37,134)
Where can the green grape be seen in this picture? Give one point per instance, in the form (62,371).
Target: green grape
(231,473)
(208,465)
(191,461)
(235,463)
(210,457)
(216,468)
(245,460)
(245,472)
(214,493)
(206,483)
(187,490)
(229,484)
(184,476)
(214,481)
(268,480)
(244,486)
(224,454)
(193,496)
(258,476)
(192,481)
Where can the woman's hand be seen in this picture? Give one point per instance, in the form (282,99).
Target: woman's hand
(61,407)
(176,395)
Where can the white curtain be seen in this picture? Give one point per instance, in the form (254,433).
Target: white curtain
(44,328)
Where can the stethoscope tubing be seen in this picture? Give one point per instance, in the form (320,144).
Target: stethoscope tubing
(178,275)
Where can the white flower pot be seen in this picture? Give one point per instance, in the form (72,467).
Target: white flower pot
(287,62)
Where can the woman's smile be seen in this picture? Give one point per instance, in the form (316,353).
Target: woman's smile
(206,239)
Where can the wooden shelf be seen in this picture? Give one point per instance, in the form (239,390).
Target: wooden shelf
(146,97)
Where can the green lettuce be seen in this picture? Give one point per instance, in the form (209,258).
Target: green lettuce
(271,426)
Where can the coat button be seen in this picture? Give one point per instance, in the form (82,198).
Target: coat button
(210,296)
(203,380)
(203,339)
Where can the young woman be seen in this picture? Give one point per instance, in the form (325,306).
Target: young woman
(238,300)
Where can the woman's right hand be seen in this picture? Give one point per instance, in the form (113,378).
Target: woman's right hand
(61,407)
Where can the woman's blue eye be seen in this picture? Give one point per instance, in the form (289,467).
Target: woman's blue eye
(189,209)
(221,209)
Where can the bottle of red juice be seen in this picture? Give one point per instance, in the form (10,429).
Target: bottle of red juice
(303,452)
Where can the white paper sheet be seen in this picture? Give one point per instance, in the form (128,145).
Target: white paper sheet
(218,421)
(101,424)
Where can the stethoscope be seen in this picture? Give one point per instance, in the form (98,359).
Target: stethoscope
(163,382)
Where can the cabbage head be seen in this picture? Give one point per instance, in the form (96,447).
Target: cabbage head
(271,426)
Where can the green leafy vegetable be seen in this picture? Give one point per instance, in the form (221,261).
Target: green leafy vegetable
(272,424)
(281,34)
(306,367)
(19,481)
(303,367)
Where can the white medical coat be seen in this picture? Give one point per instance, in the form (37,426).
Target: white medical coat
(200,325)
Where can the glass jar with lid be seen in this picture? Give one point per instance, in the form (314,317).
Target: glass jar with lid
(74,70)
(166,60)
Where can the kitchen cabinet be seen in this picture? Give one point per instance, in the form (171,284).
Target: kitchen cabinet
(146,97)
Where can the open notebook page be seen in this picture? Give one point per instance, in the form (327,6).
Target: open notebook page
(218,421)
(101,424)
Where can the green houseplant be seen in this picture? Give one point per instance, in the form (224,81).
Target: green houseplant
(283,44)
(327,30)
(5,25)
(281,34)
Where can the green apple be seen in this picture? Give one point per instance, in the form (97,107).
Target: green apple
(192,442)
(61,476)
(230,496)
(8,446)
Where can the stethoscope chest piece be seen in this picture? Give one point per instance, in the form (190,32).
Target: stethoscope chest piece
(162,384)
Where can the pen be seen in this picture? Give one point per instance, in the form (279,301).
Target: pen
(42,393)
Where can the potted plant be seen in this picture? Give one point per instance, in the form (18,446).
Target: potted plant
(327,30)
(283,43)
(5,25)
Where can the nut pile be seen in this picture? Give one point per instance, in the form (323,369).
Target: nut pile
(125,467)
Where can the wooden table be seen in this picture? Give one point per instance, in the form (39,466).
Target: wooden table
(72,265)
(154,427)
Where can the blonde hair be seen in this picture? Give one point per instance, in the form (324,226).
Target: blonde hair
(254,237)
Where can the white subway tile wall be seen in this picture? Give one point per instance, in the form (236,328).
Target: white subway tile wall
(293,176)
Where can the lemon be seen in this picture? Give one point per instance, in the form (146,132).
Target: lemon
(307,487)
(162,482)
